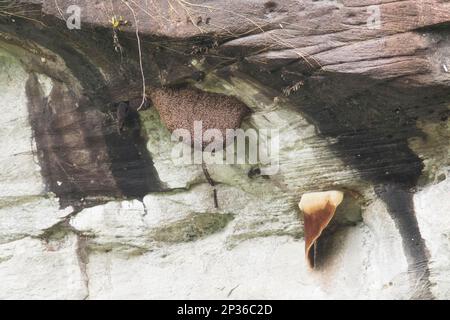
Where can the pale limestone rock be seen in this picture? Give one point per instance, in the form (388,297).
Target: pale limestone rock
(114,225)
(263,268)
(300,146)
(204,269)
(36,269)
(20,173)
(386,248)
(29,217)
(128,225)
(133,249)
(24,211)
(433,212)
(160,146)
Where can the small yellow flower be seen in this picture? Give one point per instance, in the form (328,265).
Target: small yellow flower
(115,22)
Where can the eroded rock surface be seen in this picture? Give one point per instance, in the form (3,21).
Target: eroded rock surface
(88,211)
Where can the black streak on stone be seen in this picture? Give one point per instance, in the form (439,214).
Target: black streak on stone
(123,111)
(131,163)
(401,208)
(72,169)
(372,123)
(81,153)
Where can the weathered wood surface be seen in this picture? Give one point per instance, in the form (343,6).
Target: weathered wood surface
(334,35)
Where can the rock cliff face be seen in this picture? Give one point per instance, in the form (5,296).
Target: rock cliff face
(359,92)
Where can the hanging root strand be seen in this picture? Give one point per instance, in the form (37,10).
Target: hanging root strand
(212,183)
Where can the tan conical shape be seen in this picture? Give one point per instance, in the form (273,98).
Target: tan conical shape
(318,209)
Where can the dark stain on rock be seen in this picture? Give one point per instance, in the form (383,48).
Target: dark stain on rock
(84,160)
(123,115)
(400,205)
(60,131)
(270,6)
(131,164)
(371,122)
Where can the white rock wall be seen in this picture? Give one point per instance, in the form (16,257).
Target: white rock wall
(159,248)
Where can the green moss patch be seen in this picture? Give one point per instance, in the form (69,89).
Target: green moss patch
(193,227)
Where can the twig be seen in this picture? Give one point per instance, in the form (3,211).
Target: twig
(59,10)
(13,9)
(212,183)
(144,93)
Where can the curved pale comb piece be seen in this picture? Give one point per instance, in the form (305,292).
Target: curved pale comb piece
(318,209)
